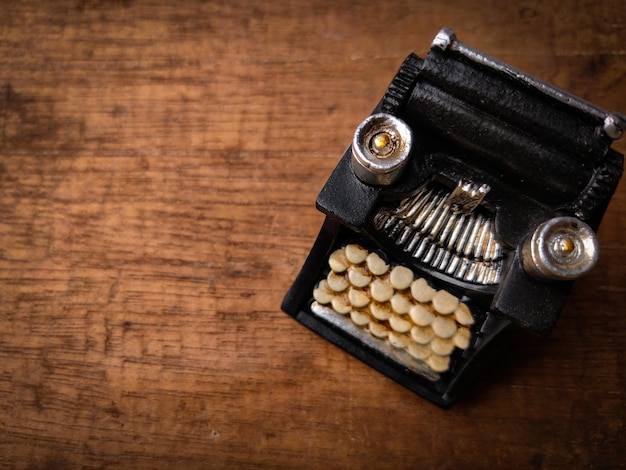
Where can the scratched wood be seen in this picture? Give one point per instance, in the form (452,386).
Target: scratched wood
(159,163)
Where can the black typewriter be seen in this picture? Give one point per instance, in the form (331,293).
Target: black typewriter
(466,206)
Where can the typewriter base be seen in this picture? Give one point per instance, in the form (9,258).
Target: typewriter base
(444,390)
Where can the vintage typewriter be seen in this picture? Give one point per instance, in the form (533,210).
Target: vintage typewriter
(465,207)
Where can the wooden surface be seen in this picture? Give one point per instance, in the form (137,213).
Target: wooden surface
(159,163)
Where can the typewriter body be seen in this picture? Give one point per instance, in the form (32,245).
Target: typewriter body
(465,206)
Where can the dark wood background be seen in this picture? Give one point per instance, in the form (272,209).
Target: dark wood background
(159,163)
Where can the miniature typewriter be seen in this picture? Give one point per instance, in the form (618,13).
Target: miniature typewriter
(465,206)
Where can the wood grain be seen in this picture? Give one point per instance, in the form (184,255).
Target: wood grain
(159,163)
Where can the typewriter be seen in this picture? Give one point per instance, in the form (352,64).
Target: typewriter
(465,207)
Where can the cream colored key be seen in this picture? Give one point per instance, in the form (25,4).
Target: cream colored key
(341,304)
(462,338)
(398,340)
(376,264)
(418,351)
(438,363)
(422,334)
(338,261)
(463,315)
(401,277)
(444,327)
(321,294)
(358,276)
(337,282)
(378,330)
(380,311)
(421,315)
(359,318)
(400,304)
(444,302)
(356,254)
(380,290)
(421,291)
(358,298)
(443,347)
(399,324)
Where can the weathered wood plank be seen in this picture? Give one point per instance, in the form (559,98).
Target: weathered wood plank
(159,164)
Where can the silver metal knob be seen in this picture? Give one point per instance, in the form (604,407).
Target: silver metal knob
(562,248)
(380,149)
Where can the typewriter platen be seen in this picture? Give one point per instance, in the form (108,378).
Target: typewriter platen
(466,206)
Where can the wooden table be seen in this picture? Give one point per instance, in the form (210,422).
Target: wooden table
(159,163)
